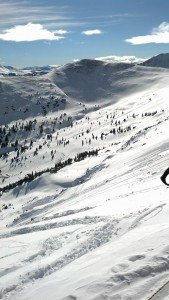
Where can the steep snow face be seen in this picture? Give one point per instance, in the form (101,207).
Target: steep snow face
(97,228)
(161,61)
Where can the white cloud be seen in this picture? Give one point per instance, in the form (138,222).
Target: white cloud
(60,31)
(159,35)
(29,32)
(92,32)
(121,59)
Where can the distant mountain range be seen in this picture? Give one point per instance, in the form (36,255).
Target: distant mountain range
(8,70)
(40,70)
(160,61)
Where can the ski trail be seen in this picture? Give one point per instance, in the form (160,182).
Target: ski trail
(150,213)
(162,293)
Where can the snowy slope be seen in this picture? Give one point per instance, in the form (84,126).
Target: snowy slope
(93,80)
(23,97)
(98,228)
(35,70)
(3,70)
(6,70)
(90,81)
(161,61)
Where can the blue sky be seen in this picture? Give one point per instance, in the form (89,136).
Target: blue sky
(41,32)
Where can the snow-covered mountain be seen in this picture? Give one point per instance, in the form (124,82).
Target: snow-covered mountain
(161,61)
(40,69)
(94,80)
(35,70)
(90,82)
(6,70)
(10,71)
(3,70)
(83,213)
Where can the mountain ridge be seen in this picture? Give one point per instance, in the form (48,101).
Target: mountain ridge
(160,61)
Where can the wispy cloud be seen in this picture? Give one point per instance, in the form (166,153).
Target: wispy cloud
(60,31)
(15,12)
(28,33)
(121,59)
(92,32)
(159,35)
(51,15)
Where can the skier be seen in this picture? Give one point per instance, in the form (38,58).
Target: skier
(164,176)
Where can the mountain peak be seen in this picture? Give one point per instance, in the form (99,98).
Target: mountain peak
(160,61)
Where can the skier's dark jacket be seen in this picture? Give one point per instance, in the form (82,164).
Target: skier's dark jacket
(164,176)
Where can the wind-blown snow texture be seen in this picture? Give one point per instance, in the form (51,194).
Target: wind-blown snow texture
(98,228)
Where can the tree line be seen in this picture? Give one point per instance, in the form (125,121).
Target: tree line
(58,166)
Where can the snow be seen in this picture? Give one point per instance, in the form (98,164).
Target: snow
(161,61)
(98,228)
(3,70)
(7,70)
(162,293)
(94,80)
(39,69)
